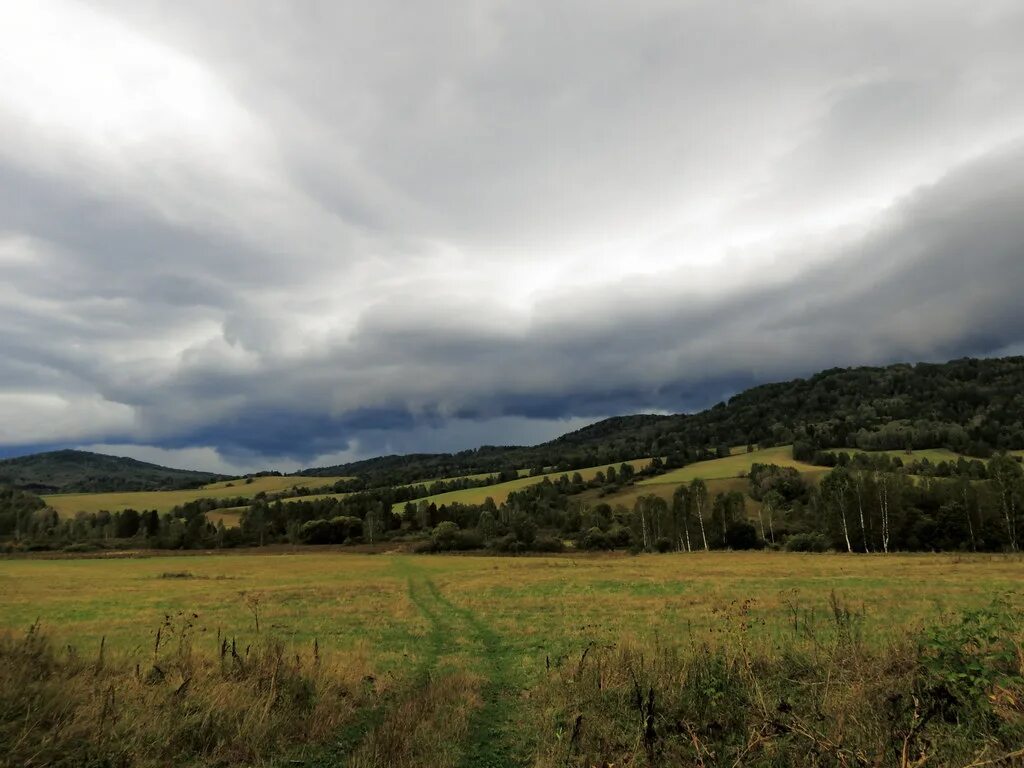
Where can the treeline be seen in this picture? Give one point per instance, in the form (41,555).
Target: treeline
(969,406)
(71,471)
(867,503)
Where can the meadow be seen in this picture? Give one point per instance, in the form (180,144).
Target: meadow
(67,504)
(563,660)
(720,475)
(500,491)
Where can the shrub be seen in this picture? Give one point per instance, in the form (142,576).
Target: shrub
(548,544)
(595,539)
(663,545)
(807,542)
(444,535)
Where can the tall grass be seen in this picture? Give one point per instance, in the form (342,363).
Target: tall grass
(171,705)
(952,694)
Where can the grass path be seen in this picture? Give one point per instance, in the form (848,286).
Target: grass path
(458,707)
(493,740)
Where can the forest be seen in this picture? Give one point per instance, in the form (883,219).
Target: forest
(866,503)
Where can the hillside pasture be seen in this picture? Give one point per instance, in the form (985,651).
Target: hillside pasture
(734,465)
(67,504)
(499,492)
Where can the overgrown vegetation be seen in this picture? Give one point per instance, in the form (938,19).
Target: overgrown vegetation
(238,703)
(465,677)
(953,694)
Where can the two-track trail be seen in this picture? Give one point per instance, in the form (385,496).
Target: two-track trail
(458,706)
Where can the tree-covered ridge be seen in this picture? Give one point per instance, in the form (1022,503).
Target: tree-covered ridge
(970,406)
(71,471)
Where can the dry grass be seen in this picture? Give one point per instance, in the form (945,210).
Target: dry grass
(825,699)
(427,727)
(174,704)
(468,650)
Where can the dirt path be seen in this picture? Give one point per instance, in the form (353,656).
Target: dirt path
(458,709)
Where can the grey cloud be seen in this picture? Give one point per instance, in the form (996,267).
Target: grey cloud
(484,218)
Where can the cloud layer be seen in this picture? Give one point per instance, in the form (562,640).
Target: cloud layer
(285,235)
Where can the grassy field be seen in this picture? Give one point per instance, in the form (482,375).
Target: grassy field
(163,501)
(734,465)
(477,660)
(466,657)
(500,491)
(345,599)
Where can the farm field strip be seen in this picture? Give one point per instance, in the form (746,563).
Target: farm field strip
(163,501)
(731,466)
(500,491)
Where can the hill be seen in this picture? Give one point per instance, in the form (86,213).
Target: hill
(969,406)
(71,471)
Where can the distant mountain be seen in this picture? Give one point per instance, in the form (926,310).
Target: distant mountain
(81,471)
(969,405)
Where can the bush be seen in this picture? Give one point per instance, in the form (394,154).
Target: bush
(508,543)
(742,536)
(807,542)
(548,544)
(444,535)
(594,539)
(663,545)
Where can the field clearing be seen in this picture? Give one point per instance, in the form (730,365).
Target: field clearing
(232,513)
(500,491)
(67,504)
(540,604)
(628,495)
(734,465)
(480,658)
(934,455)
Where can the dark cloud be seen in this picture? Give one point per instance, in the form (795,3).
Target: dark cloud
(400,229)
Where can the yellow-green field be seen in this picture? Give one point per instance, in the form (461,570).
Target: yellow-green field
(734,465)
(537,603)
(500,491)
(453,660)
(934,455)
(163,501)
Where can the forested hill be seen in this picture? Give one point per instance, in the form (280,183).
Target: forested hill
(970,406)
(81,471)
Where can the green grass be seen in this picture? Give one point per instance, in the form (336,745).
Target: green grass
(352,599)
(500,491)
(934,455)
(473,660)
(67,504)
(735,465)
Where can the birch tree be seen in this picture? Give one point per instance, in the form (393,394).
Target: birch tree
(681,518)
(835,489)
(1006,474)
(699,496)
(859,483)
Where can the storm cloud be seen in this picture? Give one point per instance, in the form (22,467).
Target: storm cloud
(279,234)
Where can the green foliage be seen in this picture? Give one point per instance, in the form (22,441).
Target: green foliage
(807,542)
(80,471)
(969,406)
(970,656)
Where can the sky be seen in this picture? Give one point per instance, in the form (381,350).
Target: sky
(272,234)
